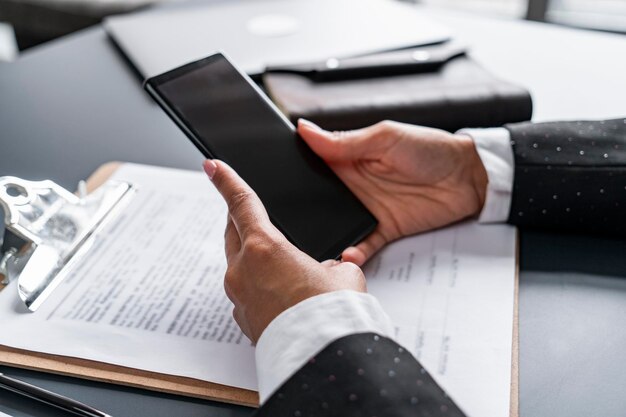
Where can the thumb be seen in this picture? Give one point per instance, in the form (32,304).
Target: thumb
(364,250)
(338,146)
(244,206)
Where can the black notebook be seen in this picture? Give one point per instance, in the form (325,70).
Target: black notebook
(438,86)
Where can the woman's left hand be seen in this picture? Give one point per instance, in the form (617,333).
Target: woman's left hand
(266,274)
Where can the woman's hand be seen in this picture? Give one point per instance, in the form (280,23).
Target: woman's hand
(412,178)
(266,274)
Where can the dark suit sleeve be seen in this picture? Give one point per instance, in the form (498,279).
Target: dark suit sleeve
(570,176)
(361,375)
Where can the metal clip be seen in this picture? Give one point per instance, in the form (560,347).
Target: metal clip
(48,229)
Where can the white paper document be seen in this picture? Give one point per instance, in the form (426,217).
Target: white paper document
(451,295)
(150,296)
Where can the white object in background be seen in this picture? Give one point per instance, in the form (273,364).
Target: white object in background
(273,25)
(257,34)
(8,45)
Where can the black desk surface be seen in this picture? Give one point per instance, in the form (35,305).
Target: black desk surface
(74,104)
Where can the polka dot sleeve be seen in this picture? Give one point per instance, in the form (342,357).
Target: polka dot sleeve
(361,375)
(570,176)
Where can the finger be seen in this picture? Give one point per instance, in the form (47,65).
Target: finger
(341,146)
(330,262)
(362,252)
(351,275)
(244,206)
(232,242)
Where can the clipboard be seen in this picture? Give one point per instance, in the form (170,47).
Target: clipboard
(114,374)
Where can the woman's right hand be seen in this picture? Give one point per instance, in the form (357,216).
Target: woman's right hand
(412,178)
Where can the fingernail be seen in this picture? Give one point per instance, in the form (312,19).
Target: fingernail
(210,167)
(309,124)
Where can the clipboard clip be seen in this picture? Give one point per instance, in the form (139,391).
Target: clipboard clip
(48,229)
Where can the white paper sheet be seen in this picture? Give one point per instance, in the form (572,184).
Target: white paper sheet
(150,296)
(451,295)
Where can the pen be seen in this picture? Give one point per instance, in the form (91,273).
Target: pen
(48,397)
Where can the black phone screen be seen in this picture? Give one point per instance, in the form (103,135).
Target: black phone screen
(228,118)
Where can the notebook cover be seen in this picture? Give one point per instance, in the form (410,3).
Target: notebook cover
(457,95)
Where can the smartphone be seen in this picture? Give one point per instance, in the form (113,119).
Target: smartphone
(227,117)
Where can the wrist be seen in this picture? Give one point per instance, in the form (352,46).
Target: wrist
(474,173)
(300,332)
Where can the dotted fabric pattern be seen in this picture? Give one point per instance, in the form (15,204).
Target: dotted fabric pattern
(361,375)
(570,176)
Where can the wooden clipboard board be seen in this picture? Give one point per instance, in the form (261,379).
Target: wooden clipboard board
(114,374)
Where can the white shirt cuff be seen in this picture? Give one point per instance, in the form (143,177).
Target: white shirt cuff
(494,148)
(300,332)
